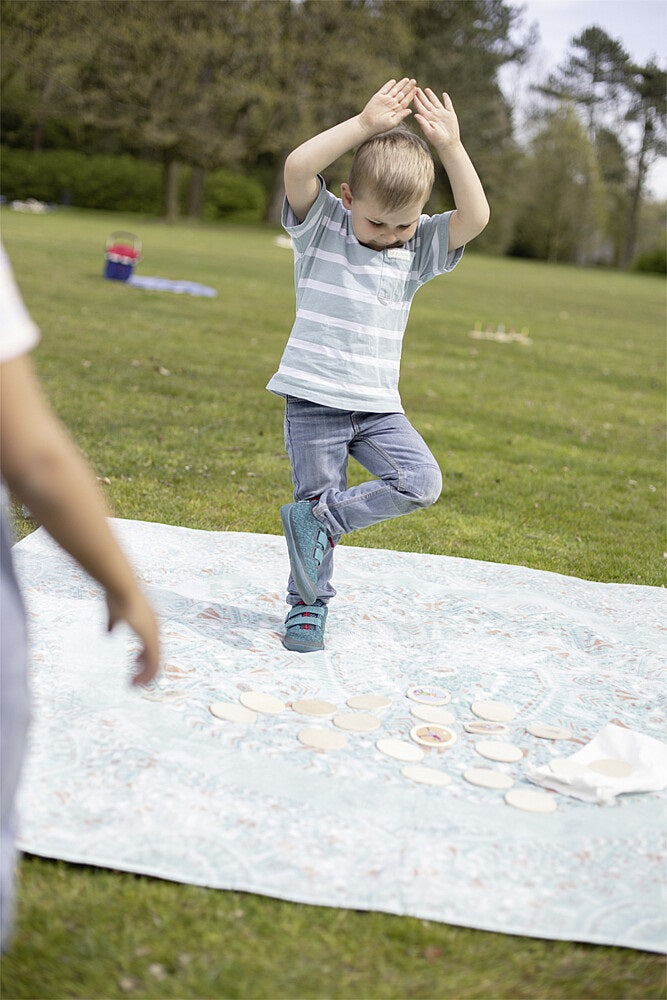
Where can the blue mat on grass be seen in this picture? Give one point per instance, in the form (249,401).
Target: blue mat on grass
(168,285)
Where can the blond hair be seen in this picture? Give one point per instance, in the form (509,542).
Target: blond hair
(393,168)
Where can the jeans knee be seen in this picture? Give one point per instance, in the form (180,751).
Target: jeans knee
(422,485)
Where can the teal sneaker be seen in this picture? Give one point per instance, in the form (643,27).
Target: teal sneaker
(307,540)
(304,627)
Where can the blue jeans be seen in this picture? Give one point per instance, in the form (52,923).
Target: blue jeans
(319,440)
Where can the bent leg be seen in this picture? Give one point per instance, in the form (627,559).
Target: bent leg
(408,475)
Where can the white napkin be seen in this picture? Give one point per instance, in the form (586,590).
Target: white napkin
(614,748)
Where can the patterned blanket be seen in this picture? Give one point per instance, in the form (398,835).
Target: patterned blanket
(152,782)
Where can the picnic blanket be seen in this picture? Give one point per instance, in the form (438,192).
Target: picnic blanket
(151,782)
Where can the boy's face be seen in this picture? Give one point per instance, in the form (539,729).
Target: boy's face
(377,228)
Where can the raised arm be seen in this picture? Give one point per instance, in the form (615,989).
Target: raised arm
(440,126)
(386,109)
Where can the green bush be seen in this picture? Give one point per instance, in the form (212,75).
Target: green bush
(120,184)
(115,183)
(651,261)
(233,197)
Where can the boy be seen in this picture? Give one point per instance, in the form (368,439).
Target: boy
(358,263)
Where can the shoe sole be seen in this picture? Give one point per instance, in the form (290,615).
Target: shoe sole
(294,648)
(307,591)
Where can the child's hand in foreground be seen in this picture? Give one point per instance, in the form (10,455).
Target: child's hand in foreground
(389,106)
(138,614)
(437,119)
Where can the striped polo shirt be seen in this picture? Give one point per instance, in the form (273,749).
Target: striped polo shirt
(352,307)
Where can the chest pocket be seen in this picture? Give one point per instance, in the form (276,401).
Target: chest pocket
(396,269)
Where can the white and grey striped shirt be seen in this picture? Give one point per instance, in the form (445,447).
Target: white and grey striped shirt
(352,307)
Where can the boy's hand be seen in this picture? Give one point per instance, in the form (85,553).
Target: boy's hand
(438,120)
(389,106)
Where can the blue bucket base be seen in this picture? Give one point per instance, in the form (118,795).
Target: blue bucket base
(114,271)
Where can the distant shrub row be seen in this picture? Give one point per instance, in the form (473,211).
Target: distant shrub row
(119,184)
(651,261)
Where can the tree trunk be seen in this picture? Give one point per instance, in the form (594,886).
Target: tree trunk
(171,199)
(38,134)
(630,242)
(196,192)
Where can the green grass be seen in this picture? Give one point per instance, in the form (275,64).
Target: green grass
(553,457)
(94,933)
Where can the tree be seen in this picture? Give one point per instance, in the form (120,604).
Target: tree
(593,77)
(326,60)
(171,79)
(42,44)
(167,77)
(562,210)
(226,82)
(446,44)
(649,111)
(460,47)
(211,83)
(611,92)
(615,172)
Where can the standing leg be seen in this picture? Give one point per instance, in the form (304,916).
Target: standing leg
(317,440)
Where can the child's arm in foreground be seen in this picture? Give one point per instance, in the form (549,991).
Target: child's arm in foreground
(46,472)
(440,126)
(384,111)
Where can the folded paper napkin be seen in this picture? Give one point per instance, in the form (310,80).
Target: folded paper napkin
(615,761)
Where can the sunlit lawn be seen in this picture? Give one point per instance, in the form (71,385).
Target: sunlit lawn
(553,457)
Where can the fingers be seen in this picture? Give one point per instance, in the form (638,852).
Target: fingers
(405,90)
(139,615)
(408,85)
(148,663)
(148,660)
(420,104)
(401,91)
(429,100)
(428,105)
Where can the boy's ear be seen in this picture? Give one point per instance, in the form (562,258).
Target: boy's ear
(346,195)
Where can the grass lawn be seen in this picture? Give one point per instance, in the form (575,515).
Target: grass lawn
(553,457)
